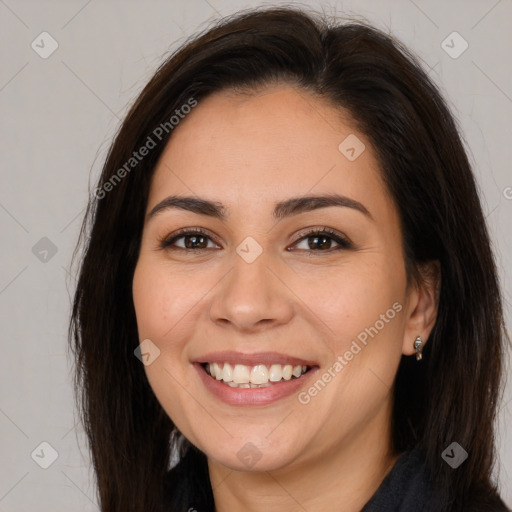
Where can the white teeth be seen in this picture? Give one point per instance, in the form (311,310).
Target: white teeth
(227,373)
(256,376)
(297,371)
(276,373)
(259,374)
(241,374)
(287,371)
(235,385)
(216,371)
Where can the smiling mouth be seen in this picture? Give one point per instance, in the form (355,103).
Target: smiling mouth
(257,376)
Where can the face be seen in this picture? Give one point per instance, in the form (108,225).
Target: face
(273,283)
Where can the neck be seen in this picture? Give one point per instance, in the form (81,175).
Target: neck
(348,474)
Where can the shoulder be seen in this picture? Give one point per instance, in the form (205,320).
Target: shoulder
(481,501)
(187,485)
(407,488)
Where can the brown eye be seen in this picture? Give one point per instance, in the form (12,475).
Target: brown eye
(192,240)
(321,241)
(317,240)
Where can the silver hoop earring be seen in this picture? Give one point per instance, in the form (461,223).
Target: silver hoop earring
(418,345)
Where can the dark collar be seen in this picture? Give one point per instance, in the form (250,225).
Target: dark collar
(405,488)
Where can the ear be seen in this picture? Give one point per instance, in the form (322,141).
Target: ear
(422,304)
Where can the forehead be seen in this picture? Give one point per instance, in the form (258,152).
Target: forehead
(250,149)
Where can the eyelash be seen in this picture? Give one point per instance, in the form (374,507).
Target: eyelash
(343,242)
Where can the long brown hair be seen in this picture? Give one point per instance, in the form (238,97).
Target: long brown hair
(451,395)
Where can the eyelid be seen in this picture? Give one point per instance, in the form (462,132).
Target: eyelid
(340,238)
(322,230)
(342,241)
(166,241)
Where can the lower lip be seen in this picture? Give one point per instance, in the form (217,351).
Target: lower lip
(253,396)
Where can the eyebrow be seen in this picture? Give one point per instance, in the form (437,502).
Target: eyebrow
(282,209)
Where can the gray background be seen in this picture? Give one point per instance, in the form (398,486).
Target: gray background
(58,118)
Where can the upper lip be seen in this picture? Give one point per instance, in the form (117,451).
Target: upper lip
(266,358)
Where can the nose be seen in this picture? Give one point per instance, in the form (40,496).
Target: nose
(252,298)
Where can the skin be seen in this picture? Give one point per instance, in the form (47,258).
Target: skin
(248,152)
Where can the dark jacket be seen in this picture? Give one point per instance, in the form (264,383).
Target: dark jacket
(405,489)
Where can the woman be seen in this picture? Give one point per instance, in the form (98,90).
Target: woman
(288,284)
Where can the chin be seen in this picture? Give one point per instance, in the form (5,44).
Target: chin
(251,456)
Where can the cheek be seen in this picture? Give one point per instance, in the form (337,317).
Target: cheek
(163,305)
(162,301)
(352,297)
(362,305)
(371,330)
(160,298)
